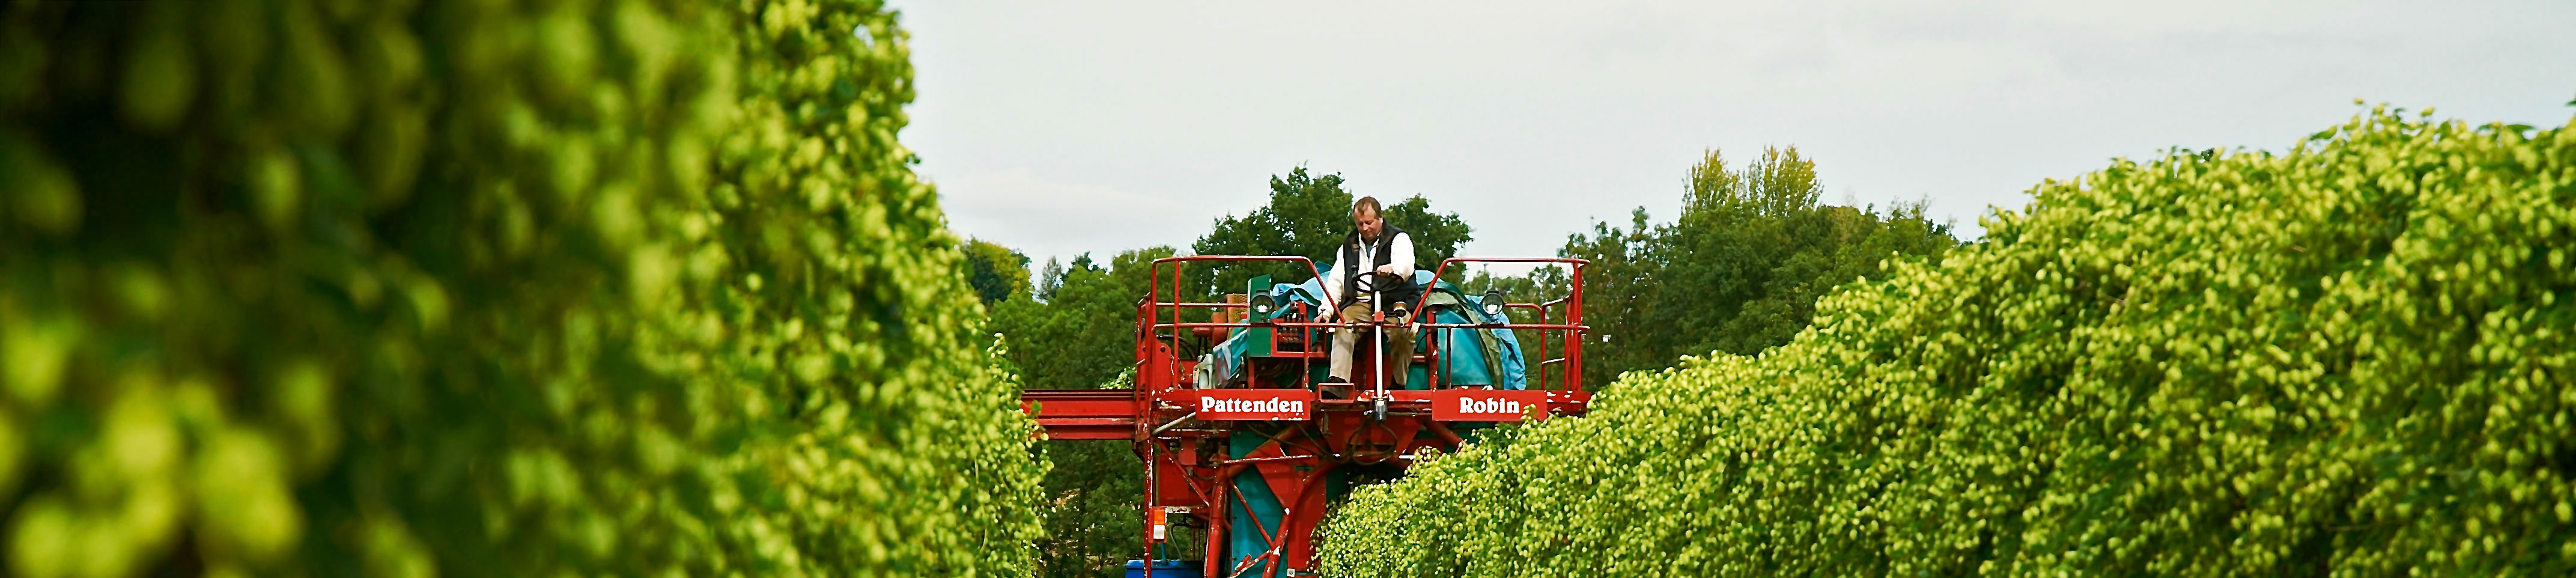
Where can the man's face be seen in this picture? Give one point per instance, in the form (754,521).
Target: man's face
(1368,224)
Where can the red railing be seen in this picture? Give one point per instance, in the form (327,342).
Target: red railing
(1153,310)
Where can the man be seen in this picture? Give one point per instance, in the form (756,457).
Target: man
(1372,247)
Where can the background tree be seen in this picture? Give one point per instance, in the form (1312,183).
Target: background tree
(1739,270)
(994,271)
(1048,278)
(1308,216)
(1082,335)
(1621,283)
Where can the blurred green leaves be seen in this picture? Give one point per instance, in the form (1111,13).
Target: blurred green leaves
(318,287)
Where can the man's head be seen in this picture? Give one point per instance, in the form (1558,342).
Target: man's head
(1364,214)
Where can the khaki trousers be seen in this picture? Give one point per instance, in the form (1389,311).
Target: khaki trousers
(1399,348)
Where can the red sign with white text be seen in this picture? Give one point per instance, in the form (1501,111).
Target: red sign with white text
(1248,404)
(1486,404)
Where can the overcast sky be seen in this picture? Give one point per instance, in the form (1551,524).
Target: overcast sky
(1063,127)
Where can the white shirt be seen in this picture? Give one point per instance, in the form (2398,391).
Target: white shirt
(1402,263)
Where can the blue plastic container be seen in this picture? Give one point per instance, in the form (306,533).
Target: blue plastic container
(1167,569)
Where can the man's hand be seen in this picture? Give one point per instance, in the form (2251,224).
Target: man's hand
(1387,269)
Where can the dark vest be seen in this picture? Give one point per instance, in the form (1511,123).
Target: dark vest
(1385,255)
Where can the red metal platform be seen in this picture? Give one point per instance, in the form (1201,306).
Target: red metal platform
(1200,443)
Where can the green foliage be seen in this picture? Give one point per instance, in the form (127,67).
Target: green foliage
(313,287)
(1084,334)
(894,451)
(994,271)
(1309,216)
(2351,359)
(1739,271)
(1094,522)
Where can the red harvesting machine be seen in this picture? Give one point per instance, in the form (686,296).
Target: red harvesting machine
(1247,441)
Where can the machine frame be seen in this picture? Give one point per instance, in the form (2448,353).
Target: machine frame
(1190,470)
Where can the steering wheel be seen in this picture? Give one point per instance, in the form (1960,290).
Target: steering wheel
(1374,281)
(1367,283)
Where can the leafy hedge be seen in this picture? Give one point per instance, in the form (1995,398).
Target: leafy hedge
(324,287)
(2357,358)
